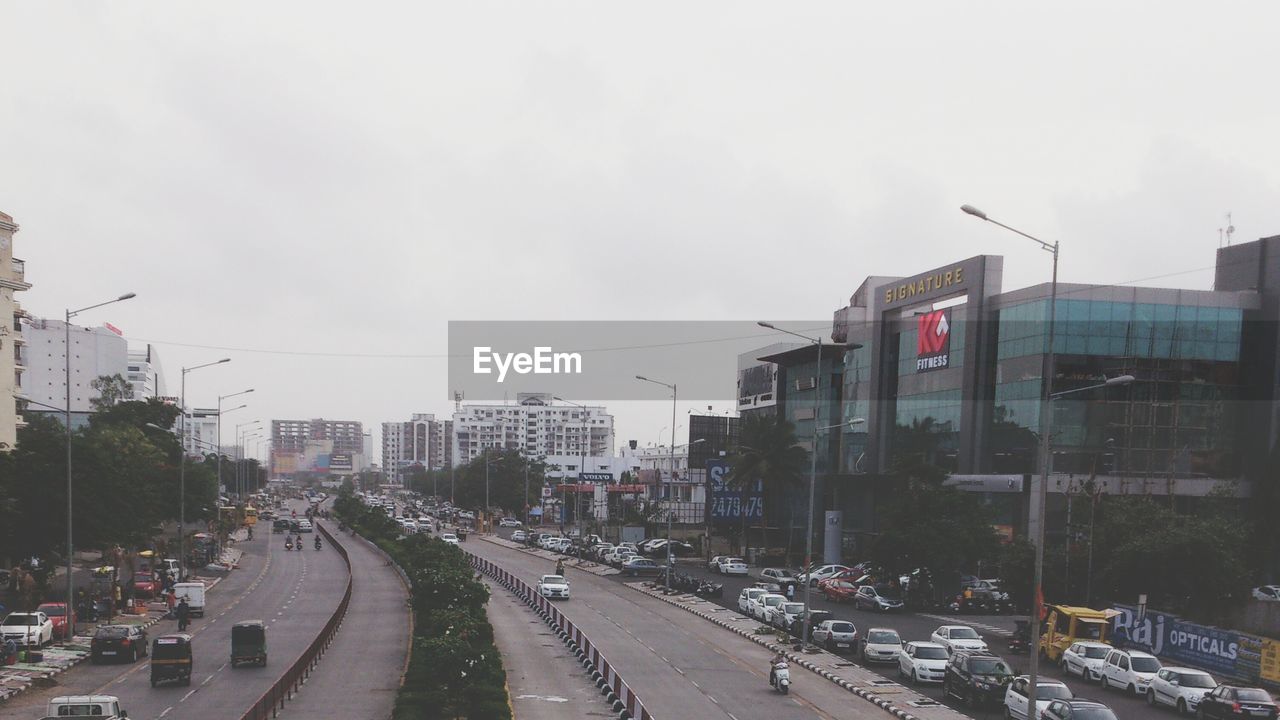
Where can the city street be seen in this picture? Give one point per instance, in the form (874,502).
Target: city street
(918,626)
(293,592)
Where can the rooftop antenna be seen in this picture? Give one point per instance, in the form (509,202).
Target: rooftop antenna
(1231,229)
(457,400)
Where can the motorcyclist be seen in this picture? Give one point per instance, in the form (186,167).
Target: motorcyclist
(560,567)
(778,657)
(317,542)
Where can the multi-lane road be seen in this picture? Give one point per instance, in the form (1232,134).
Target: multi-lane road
(294,593)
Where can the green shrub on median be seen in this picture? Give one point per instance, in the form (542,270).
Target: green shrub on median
(455,670)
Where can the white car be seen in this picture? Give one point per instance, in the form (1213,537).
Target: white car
(781,615)
(1132,670)
(714,563)
(1047,690)
(1084,658)
(553,587)
(27,629)
(1269,593)
(449,538)
(1180,688)
(519,536)
(764,603)
(508,522)
(958,637)
(779,576)
(881,645)
(821,573)
(733,566)
(923,662)
(835,635)
(304,526)
(746,597)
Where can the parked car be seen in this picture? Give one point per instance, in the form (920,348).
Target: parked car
(746,597)
(636,566)
(1047,690)
(764,604)
(781,576)
(976,677)
(837,590)
(1077,709)
(1130,670)
(816,618)
(922,662)
(145,585)
(819,573)
(781,615)
(881,645)
(553,587)
(57,612)
(836,635)
(1233,701)
(1180,688)
(620,557)
(519,536)
(27,629)
(958,637)
(118,642)
(1084,658)
(1270,593)
(734,566)
(508,522)
(714,563)
(877,597)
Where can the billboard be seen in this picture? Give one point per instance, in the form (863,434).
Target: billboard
(731,504)
(757,386)
(933,341)
(1176,641)
(339,463)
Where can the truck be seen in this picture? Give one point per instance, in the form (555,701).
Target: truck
(194,593)
(106,707)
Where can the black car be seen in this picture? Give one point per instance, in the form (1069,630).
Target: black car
(1233,701)
(118,642)
(1077,709)
(977,678)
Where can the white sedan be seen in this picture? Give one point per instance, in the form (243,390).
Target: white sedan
(763,604)
(958,637)
(1084,658)
(733,566)
(553,587)
(922,662)
(1180,688)
(746,597)
(508,522)
(821,573)
(1269,593)
(449,538)
(27,629)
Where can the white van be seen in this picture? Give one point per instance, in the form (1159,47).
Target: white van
(194,593)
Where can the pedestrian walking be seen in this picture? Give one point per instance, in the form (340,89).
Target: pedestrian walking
(791,591)
(184,615)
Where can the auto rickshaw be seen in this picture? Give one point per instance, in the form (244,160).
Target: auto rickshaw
(171,659)
(249,643)
(1064,625)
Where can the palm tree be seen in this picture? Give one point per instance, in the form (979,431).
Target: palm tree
(767,451)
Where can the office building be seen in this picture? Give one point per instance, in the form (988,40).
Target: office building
(145,374)
(12,354)
(421,441)
(95,352)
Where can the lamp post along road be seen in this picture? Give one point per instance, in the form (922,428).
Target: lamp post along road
(71,623)
(182,466)
(672,388)
(220,399)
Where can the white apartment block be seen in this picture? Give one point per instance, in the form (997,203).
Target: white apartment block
(94,352)
(12,281)
(422,440)
(536,425)
(201,436)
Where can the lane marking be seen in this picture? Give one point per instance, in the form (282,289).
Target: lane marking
(166,711)
(184,697)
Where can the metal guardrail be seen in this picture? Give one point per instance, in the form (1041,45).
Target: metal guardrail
(273,700)
(626,702)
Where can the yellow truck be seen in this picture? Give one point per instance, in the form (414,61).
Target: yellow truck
(1066,624)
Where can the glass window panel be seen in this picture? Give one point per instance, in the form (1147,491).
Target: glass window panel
(1116,346)
(1075,345)
(1165,313)
(1226,351)
(1099,310)
(1205,350)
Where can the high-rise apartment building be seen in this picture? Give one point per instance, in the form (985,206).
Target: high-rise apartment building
(12,280)
(336,446)
(535,425)
(422,440)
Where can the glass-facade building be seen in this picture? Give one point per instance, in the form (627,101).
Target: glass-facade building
(948,367)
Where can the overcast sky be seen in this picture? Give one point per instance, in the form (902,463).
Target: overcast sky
(291,179)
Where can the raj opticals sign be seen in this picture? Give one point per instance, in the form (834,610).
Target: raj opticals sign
(731,503)
(933,341)
(1175,641)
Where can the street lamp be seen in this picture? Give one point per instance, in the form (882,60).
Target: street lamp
(1046,419)
(582,463)
(182,465)
(813,460)
(220,399)
(71,622)
(672,388)
(239,452)
(242,472)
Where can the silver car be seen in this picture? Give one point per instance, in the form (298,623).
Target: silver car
(836,635)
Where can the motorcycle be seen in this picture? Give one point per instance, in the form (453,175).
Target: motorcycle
(288,545)
(298,547)
(317,543)
(781,677)
(710,590)
(1020,641)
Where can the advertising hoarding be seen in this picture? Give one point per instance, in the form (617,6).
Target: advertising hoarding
(731,504)
(933,341)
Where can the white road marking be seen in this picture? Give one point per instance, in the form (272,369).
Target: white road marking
(166,711)
(184,697)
